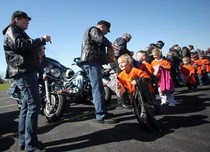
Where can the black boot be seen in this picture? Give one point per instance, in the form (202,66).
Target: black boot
(124,102)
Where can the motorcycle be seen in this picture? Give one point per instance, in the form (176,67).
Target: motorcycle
(50,86)
(78,87)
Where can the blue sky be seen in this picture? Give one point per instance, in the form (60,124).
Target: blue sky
(180,22)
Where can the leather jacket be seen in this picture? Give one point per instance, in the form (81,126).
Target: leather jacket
(20,51)
(94,45)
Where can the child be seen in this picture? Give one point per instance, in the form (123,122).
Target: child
(127,75)
(141,57)
(197,64)
(161,64)
(205,67)
(188,72)
(144,65)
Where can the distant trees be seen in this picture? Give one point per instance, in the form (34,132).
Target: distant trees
(1,81)
(1,78)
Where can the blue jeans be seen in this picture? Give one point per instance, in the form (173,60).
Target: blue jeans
(200,79)
(28,119)
(94,73)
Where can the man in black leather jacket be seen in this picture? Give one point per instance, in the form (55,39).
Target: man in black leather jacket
(22,65)
(93,56)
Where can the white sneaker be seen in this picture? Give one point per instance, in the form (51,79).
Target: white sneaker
(163,102)
(171,105)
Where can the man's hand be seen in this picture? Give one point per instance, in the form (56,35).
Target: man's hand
(133,82)
(47,38)
(115,47)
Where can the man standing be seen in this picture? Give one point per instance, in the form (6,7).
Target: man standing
(22,65)
(93,56)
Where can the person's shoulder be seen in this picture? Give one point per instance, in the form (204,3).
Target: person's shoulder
(153,62)
(11,29)
(134,69)
(120,39)
(147,63)
(121,74)
(92,28)
(165,60)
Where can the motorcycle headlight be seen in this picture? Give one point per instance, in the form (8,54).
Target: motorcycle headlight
(69,73)
(55,72)
(47,70)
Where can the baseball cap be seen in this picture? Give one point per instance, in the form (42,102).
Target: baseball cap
(20,14)
(107,24)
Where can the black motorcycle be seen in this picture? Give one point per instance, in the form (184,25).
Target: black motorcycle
(50,89)
(78,87)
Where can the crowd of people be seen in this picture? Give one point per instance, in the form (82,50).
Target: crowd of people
(180,67)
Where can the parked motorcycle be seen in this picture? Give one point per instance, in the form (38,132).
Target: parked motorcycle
(78,87)
(50,89)
(55,100)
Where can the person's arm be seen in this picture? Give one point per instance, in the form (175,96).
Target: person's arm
(21,41)
(165,65)
(97,36)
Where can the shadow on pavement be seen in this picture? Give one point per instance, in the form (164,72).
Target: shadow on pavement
(123,132)
(8,123)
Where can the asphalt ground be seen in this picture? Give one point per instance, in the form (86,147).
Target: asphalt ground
(185,128)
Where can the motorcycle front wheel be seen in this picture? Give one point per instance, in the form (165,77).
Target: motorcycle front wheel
(145,117)
(54,111)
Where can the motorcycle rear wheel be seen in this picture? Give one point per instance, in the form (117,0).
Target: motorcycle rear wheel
(54,111)
(108,95)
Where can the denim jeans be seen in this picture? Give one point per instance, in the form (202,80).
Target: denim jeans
(28,119)
(200,79)
(94,73)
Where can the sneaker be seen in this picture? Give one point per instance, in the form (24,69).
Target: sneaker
(163,102)
(107,121)
(126,106)
(171,105)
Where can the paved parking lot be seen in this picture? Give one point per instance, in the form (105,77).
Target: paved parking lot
(185,128)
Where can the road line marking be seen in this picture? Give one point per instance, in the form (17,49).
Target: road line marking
(4,98)
(10,105)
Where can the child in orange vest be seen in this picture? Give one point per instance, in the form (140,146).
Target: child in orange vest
(198,68)
(157,63)
(128,73)
(205,67)
(188,72)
